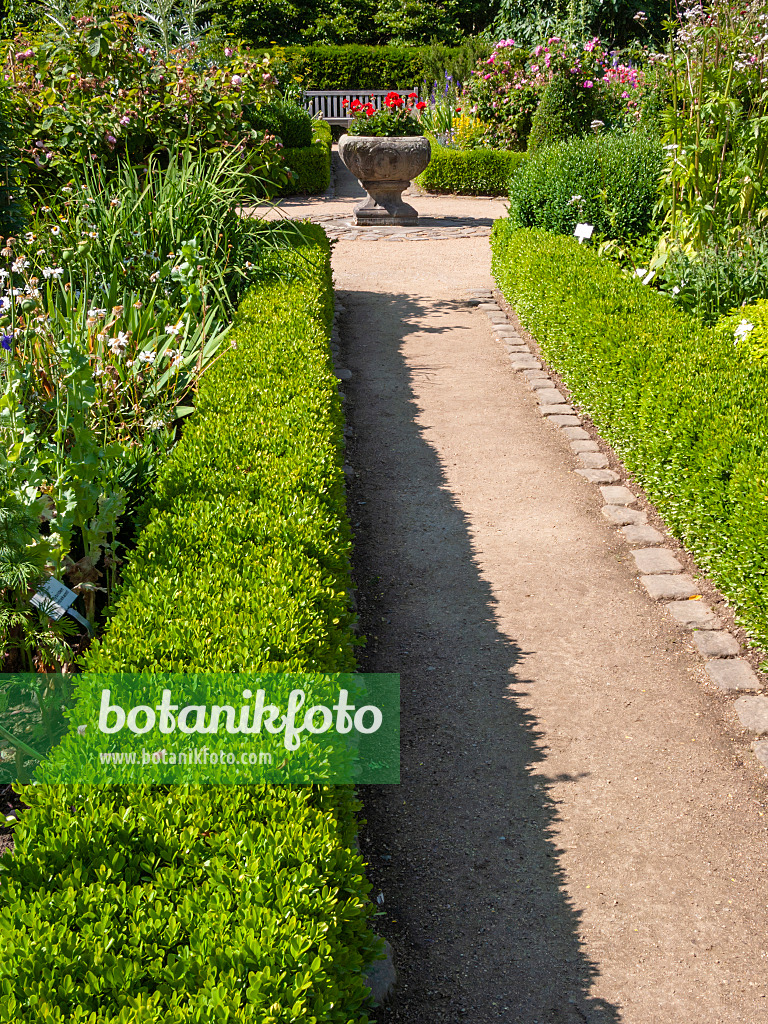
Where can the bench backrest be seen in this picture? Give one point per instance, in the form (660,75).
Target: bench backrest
(329,103)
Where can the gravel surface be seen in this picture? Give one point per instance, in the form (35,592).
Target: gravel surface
(579,834)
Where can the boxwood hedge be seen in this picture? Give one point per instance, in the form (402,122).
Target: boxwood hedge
(684,407)
(470,172)
(214,904)
(608,180)
(310,166)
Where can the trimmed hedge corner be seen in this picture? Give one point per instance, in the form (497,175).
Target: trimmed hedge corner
(609,180)
(192,905)
(685,408)
(470,172)
(310,165)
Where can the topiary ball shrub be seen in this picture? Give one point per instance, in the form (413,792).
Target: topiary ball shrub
(566,109)
(608,180)
(287,120)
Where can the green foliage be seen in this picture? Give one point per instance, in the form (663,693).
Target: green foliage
(282,22)
(716,174)
(748,326)
(310,166)
(88,90)
(684,407)
(471,172)
(719,277)
(608,180)
(227,903)
(374,67)
(289,121)
(11,213)
(566,109)
(577,20)
(416,21)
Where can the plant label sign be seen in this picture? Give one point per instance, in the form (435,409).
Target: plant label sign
(583,231)
(53,598)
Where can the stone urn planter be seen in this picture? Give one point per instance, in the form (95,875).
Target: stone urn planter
(385,166)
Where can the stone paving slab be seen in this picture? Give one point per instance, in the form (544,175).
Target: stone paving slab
(669,588)
(753,713)
(732,674)
(620,515)
(618,496)
(656,560)
(715,643)
(641,534)
(693,614)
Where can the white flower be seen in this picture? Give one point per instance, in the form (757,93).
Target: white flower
(176,357)
(147,357)
(52,272)
(114,202)
(173,329)
(55,230)
(118,345)
(20,264)
(743,329)
(100,313)
(675,290)
(3,275)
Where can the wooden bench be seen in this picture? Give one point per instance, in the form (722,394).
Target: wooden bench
(329,103)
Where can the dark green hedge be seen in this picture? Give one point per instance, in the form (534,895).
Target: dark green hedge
(470,172)
(289,121)
(360,67)
(248,904)
(310,166)
(10,200)
(685,408)
(608,180)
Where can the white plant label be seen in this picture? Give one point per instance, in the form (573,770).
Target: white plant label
(583,231)
(54,598)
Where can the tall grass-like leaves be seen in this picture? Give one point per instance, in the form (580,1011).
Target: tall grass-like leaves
(716,129)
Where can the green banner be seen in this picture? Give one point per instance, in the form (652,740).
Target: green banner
(216,729)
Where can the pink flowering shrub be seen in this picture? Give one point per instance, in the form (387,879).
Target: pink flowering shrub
(508,85)
(96,92)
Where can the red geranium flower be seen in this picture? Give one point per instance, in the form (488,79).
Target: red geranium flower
(345,103)
(393,99)
(355,105)
(413,95)
(421,105)
(369,109)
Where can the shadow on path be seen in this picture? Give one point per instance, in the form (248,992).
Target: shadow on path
(462,851)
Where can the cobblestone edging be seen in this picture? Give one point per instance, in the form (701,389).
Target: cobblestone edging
(342,226)
(660,572)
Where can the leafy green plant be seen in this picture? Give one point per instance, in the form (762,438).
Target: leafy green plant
(608,180)
(683,405)
(483,172)
(310,166)
(92,91)
(284,119)
(719,277)
(716,136)
(11,208)
(244,565)
(566,109)
(748,326)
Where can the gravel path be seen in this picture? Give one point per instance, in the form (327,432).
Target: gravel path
(580,833)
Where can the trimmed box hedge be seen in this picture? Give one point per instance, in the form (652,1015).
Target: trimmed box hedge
(685,408)
(310,166)
(470,172)
(214,904)
(363,67)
